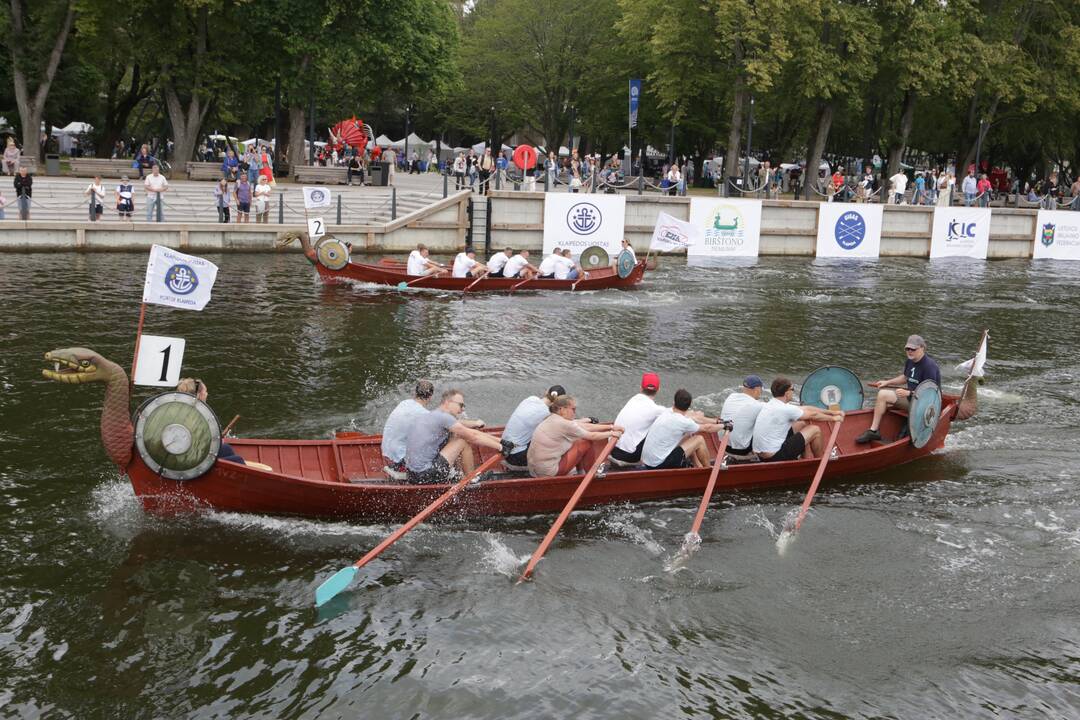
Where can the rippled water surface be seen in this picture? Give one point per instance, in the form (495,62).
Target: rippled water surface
(945,588)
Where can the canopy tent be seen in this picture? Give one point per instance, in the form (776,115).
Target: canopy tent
(479,147)
(67,136)
(383,141)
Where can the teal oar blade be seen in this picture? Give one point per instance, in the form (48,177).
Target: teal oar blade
(402,285)
(337,582)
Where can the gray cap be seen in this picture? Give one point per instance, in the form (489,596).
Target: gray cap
(915,341)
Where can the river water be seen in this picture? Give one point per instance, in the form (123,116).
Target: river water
(944,588)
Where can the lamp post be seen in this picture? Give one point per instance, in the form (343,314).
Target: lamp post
(983,127)
(749,141)
(408,118)
(570,146)
(671,143)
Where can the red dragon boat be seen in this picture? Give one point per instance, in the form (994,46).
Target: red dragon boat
(331,258)
(170,456)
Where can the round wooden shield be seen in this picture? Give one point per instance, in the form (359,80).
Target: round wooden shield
(832,385)
(525,157)
(624,264)
(177,435)
(594,257)
(332,253)
(924,412)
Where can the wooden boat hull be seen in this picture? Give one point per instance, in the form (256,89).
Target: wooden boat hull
(339,478)
(389,273)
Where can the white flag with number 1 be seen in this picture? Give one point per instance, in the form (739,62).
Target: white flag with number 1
(178,279)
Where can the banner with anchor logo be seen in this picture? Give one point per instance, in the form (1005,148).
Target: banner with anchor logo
(177,279)
(579,221)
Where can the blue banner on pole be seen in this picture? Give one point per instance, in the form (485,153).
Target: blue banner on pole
(635,97)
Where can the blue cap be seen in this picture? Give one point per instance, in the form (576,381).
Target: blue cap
(752,381)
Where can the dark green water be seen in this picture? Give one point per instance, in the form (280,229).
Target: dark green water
(945,588)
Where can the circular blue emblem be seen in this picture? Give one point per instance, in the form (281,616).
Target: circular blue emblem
(850,230)
(317,196)
(584,218)
(181,279)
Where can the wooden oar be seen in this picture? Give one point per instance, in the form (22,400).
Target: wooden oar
(566,511)
(711,485)
(469,286)
(402,285)
(515,287)
(789,530)
(229,427)
(341,579)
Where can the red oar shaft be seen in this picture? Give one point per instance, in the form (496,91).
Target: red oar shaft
(423,514)
(567,510)
(711,486)
(469,286)
(817,476)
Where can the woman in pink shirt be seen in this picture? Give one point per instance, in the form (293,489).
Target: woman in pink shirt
(559,444)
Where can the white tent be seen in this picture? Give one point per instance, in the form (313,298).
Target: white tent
(481,146)
(67,136)
(383,141)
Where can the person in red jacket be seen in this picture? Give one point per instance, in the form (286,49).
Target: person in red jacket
(983,189)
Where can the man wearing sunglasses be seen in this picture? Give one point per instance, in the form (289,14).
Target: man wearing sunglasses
(441,439)
(896,392)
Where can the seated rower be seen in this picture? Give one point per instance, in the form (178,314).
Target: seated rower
(467,266)
(567,269)
(497,262)
(519,429)
(636,418)
(917,367)
(439,440)
(625,246)
(741,409)
(419,264)
(395,433)
(546,271)
(196,387)
(519,266)
(784,432)
(673,442)
(559,444)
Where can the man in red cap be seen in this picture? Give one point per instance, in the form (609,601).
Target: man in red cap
(636,417)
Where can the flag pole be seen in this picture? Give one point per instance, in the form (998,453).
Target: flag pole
(138,339)
(629,123)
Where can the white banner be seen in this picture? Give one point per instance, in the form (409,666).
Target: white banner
(1057,235)
(316,197)
(177,279)
(578,221)
(849,230)
(316,228)
(159,361)
(960,232)
(671,233)
(724,228)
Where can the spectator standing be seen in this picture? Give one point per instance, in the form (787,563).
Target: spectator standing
(1049,192)
(125,198)
(983,188)
(459,171)
(243,199)
(551,166)
(12,155)
(899,187)
(862,193)
(222,200)
(487,165)
(262,200)
(250,164)
(414,163)
(389,158)
(970,188)
(144,161)
(155,184)
(95,191)
(24,189)
(471,169)
(946,183)
(1074,191)
(266,166)
(920,189)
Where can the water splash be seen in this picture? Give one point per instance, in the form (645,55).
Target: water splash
(500,558)
(691,544)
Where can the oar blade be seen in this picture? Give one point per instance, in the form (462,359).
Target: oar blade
(337,582)
(402,285)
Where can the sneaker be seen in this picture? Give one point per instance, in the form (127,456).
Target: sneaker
(601,471)
(868,436)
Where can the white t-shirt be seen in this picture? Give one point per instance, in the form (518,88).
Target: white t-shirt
(417,263)
(899,182)
(155,184)
(547,267)
(636,418)
(97,193)
(667,432)
(563,266)
(396,431)
(519,429)
(514,265)
(462,265)
(261,193)
(742,410)
(773,423)
(497,262)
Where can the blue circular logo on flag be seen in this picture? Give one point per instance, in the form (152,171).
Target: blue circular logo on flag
(181,279)
(584,218)
(850,230)
(317,196)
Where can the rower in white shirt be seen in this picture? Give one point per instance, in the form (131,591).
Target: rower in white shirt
(519,266)
(466,265)
(419,264)
(567,269)
(497,262)
(548,264)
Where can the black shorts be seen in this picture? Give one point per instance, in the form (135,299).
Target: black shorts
(495,274)
(628,457)
(439,472)
(792,449)
(243,207)
(675,459)
(520,458)
(738,451)
(546,277)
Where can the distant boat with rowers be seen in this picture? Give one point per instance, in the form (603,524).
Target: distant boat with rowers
(332,260)
(170,456)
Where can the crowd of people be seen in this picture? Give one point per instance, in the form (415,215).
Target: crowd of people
(544,437)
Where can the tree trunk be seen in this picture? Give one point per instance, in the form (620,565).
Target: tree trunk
(187,122)
(31,109)
(117,112)
(294,151)
(734,142)
(817,147)
(907,120)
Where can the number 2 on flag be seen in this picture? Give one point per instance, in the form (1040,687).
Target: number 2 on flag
(316,228)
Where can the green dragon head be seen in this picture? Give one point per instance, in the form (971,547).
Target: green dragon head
(76,366)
